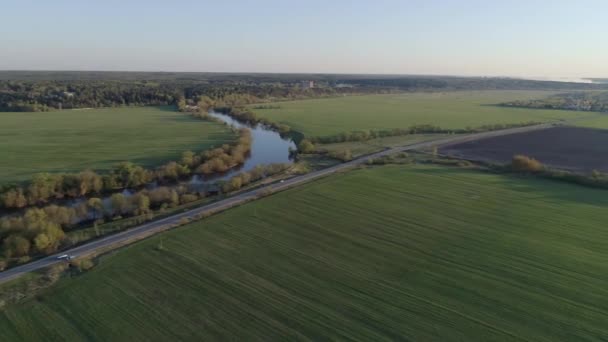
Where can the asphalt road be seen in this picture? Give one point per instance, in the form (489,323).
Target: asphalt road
(154,227)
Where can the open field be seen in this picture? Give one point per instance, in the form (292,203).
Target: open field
(452,110)
(415,252)
(598,121)
(568,148)
(97,139)
(359,148)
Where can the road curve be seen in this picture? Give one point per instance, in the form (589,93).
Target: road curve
(166,223)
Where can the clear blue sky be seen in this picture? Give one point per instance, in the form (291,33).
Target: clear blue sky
(461,37)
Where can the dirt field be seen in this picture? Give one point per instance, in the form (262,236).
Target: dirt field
(569,148)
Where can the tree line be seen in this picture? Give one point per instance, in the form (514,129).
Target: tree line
(44,187)
(47,95)
(582,101)
(364,135)
(42,231)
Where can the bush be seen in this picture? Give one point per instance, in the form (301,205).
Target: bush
(521,163)
(343,155)
(187,198)
(306,146)
(24,259)
(265,192)
(84,264)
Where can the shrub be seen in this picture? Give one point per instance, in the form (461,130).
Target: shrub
(306,146)
(84,264)
(187,198)
(343,155)
(523,163)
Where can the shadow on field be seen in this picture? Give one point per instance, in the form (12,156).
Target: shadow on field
(530,186)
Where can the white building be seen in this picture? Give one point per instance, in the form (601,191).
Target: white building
(308,84)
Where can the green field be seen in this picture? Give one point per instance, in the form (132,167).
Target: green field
(597,120)
(99,138)
(359,148)
(398,252)
(322,117)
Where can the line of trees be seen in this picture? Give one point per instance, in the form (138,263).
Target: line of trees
(47,95)
(42,231)
(365,135)
(583,101)
(245,178)
(45,187)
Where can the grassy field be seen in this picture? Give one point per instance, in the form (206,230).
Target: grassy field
(410,252)
(359,148)
(322,117)
(80,139)
(599,120)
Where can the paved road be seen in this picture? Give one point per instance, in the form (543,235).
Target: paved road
(164,224)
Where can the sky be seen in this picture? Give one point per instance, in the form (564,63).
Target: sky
(532,38)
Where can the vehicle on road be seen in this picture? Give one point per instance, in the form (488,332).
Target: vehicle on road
(65,257)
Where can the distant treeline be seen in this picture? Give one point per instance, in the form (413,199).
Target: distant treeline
(43,91)
(38,96)
(583,101)
(416,129)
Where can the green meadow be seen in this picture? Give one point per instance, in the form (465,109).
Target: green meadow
(389,253)
(451,110)
(599,120)
(74,140)
(359,148)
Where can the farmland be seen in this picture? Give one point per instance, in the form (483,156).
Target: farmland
(397,252)
(597,121)
(570,148)
(452,110)
(359,148)
(71,141)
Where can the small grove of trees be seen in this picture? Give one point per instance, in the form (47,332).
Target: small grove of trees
(305,146)
(343,155)
(37,231)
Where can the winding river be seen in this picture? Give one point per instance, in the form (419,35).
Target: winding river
(268,147)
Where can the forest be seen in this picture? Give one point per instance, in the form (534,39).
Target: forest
(22,91)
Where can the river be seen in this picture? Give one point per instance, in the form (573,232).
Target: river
(268,147)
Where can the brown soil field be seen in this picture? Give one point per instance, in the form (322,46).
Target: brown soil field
(568,148)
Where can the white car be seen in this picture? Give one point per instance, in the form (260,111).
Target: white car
(64,257)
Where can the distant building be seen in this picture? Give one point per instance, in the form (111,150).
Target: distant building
(308,84)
